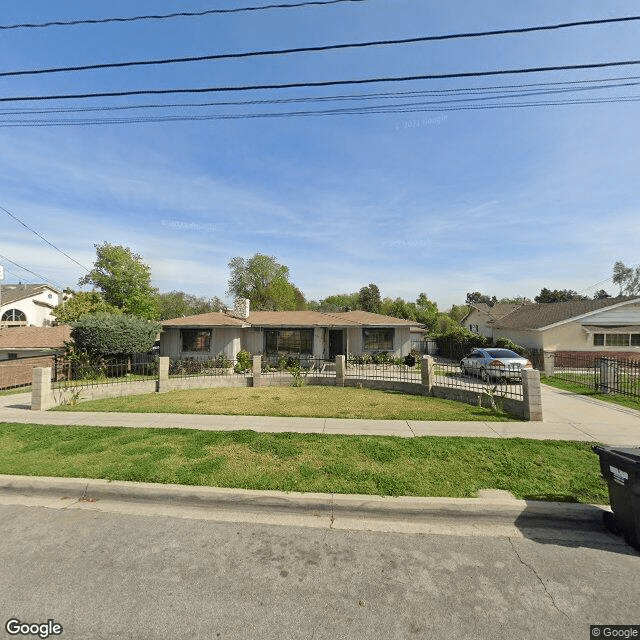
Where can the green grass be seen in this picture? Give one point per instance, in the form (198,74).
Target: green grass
(625,401)
(308,401)
(10,392)
(374,465)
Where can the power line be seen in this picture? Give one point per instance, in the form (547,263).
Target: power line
(324,83)
(500,91)
(55,284)
(329,47)
(369,110)
(167,16)
(41,237)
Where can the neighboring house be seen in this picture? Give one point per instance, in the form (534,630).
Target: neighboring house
(479,319)
(26,342)
(610,326)
(312,333)
(23,305)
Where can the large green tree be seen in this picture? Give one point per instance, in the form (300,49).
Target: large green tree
(177,304)
(627,278)
(370,298)
(558,295)
(265,282)
(81,304)
(124,280)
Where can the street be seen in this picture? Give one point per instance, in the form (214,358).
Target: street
(120,576)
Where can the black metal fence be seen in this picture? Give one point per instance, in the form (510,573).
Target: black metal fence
(383,367)
(79,373)
(221,365)
(504,382)
(607,375)
(302,366)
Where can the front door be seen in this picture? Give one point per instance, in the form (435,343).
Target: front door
(335,343)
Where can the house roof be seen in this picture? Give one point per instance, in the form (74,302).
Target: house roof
(35,337)
(498,310)
(212,319)
(290,319)
(540,315)
(14,292)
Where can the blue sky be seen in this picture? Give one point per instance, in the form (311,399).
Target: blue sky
(503,201)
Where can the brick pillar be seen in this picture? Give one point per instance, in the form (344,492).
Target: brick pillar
(340,369)
(427,374)
(549,358)
(531,395)
(163,373)
(41,394)
(257,371)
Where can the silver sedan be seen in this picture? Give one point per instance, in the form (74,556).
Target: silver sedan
(494,364)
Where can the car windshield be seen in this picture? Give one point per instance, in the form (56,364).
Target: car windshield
(502,353)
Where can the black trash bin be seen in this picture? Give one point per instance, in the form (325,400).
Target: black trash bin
(620,467)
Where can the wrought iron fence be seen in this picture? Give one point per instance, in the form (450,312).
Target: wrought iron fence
(607,375)
(75,373)
(221,365)
(505,382)
(298,365)
(384,367)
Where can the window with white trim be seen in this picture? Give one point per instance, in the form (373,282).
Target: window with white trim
(378,339)
(616,339)
(196,339)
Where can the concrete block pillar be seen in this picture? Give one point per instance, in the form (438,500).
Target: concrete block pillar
(427,373)
(608,375)
(340,370)
(41,394)
(257,371)
(163,373)
(549,358)
(532,395)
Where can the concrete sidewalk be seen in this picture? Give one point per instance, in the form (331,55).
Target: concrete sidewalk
(566,417)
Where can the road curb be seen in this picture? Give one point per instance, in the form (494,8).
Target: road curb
(506,510)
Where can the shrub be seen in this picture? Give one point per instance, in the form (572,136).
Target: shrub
(113,335)
(244,362)
(505,343)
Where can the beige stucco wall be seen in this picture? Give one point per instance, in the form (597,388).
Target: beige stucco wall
(531,339)
(223,340)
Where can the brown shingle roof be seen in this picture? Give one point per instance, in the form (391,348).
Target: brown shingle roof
(212,319)
(498,310)
(35,337)
(367,318)
(536,316)
(297,319)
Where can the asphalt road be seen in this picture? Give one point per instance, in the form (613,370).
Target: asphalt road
(113,576)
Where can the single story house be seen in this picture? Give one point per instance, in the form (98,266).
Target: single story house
(23,305)
(312,333)
(605,327)
(28,342)
(481,315)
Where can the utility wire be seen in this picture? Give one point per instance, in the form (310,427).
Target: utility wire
(392,95)
(41,237)
(323,83)
(167,16)
(485,93)
(55,284)
(327,112)
(329,47)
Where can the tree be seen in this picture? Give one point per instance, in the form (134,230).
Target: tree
(125,281)
(558,295)
(104,335)
(370,298)
(338,302)
(82,304)
(265,282)
(627,278)
(478,298)
(177,304)
(599,295)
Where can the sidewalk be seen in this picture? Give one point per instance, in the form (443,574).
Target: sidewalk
(566,417)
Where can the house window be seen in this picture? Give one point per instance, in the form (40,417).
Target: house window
(288,341)
(598,339)
(616,339)
(12,356)
(196,339)
(14,315)
(378,339)
(635,339)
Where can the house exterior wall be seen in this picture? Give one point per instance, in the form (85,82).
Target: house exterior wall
(38,315)
(223,340)
(476,322)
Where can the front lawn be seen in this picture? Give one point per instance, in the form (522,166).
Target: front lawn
(625,401)
(311,401)
(375,465)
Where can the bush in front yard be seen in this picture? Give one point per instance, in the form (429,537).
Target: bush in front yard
(102,335)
